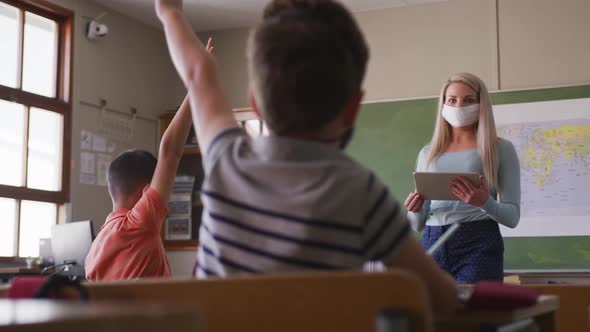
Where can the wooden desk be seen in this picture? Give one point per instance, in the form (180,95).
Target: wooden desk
(54,316)
(574,301)
(543,313)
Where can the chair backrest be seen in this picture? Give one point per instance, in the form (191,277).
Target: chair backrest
(302,302)
(574,303)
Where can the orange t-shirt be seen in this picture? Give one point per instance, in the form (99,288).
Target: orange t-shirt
(129,244)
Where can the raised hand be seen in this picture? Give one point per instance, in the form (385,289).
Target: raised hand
(468,193)
(209,46)
(165,6)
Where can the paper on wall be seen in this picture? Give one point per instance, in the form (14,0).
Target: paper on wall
(116,127)
(85,140)
(111,147)
(87,163)
(99,143)
(102,166)
(87,178)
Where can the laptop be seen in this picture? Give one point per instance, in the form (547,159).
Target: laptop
(70,244)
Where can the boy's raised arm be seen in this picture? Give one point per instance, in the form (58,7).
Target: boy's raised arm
(197,69)
(171,149)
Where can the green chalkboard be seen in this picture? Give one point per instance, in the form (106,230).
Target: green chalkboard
(389,136)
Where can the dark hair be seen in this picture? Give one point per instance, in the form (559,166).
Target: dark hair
(130,170)
(307,59)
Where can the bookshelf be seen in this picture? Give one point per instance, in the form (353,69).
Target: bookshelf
(191,165)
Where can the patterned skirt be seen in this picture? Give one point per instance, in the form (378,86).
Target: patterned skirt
(474,253)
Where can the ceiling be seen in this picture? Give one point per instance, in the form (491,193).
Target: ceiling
(206,15)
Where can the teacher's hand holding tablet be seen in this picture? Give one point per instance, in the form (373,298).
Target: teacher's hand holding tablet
(467,192)
(460,187)
(414,202)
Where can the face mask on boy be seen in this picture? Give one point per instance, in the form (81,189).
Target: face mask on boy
(461,116)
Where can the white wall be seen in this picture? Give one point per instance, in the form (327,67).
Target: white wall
(231,58)
(182,262)
(414,49)
(544,43)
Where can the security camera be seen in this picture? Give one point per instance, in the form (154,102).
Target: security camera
(96,30)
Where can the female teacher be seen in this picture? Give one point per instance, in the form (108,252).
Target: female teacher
(465,140)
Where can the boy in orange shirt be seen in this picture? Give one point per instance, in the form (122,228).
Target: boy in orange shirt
(129,244)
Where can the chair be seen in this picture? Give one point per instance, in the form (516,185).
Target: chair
(343,301)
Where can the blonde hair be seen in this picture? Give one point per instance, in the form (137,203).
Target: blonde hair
(487,139)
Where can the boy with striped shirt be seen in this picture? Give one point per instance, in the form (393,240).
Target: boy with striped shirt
(293,200)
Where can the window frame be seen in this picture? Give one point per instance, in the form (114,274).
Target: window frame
(60,104)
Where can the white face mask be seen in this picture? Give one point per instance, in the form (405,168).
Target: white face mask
(461,116)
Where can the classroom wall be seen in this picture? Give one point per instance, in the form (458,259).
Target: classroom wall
(531,43)
(413,49)
(129,67)
(544,42)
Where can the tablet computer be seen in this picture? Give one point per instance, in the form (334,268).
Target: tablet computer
(435,185)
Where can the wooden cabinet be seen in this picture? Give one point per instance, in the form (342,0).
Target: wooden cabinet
(191,165)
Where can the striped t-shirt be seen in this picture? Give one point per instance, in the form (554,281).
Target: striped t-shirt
(276,204)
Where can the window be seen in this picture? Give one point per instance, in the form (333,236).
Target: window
(35,123)
(250,121)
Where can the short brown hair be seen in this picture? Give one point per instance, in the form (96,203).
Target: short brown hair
(307,59)
(130,170)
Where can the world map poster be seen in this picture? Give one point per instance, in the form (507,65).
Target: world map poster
(552,140)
